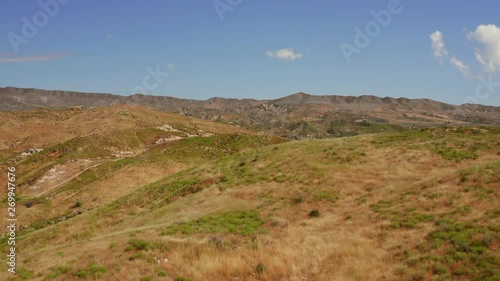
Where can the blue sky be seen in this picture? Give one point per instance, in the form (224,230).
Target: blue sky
(254,48)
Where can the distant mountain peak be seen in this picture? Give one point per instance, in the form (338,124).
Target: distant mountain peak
(301,94)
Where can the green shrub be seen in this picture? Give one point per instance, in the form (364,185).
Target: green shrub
(137,256)
(82,273)
(456,155)
(239,222)
(314,213)
(297,199)
(56,271)
(327,196)
(280,178)
(96,268)
(138,244)
(23,273)
(461,245)
(78,204)
(260,268)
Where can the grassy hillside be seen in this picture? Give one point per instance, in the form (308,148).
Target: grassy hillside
(66,158)
(416,205)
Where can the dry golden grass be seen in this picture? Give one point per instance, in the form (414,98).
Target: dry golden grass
(43,128)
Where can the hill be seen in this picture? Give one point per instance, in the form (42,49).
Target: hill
(97,155)
(198,200)
(296,116)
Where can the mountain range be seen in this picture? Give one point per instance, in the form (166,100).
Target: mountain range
(300,115)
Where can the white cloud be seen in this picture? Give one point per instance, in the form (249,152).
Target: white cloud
(110,36)
(170,65)
(284,54)
(438,46)
(489,55)
(463,68)
(28,59)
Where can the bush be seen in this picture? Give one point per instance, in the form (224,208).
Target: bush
(327,196)
(239,222)
(297,199)
(82,273)
(97,270)
(136,256)
(314,213)
(57,271)
(24,274)
(94,270)
(260,268)
(78,204)
(138,244)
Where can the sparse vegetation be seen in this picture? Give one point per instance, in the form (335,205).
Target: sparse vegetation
(235,203)
(137,244)
(456,155)
(78,204)
(327,196)
(466,249)
(23,273)
(93,270)
(314,213)
(406,218)
(260,268)
(241,222)
(297,199)
(137,256)
(57,271)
